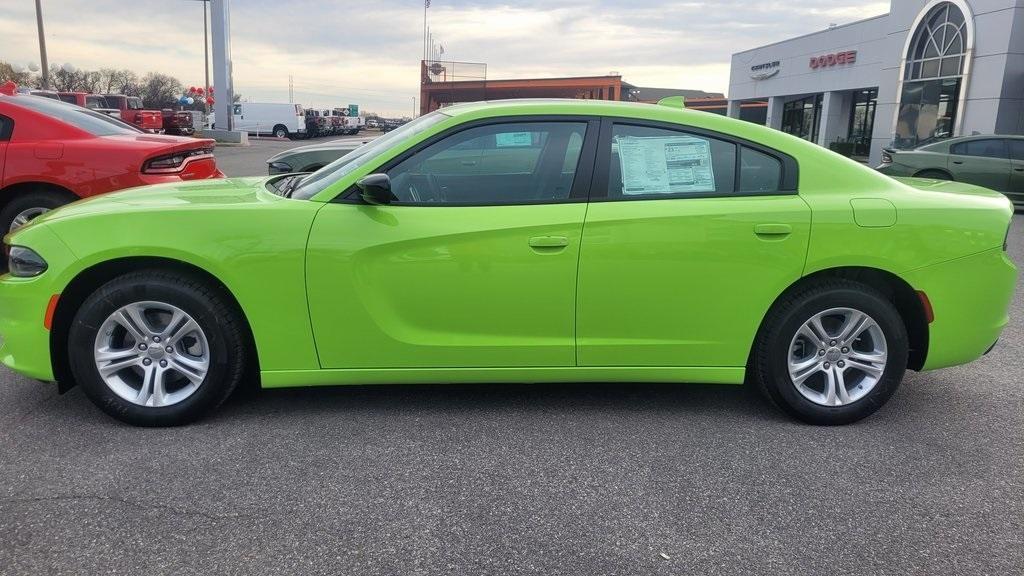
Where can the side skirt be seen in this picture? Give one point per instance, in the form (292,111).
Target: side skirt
(704,375)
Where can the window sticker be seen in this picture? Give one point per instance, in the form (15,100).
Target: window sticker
(665,165)
(513,139)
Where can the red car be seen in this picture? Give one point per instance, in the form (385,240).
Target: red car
(52,153)
(133,112)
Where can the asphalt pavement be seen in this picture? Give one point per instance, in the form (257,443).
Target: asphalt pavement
(588,479)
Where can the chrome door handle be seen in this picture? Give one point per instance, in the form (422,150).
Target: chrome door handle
(549,242)
(773,229)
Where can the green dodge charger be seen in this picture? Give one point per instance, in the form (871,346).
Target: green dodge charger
(519,241)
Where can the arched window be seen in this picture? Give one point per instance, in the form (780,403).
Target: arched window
(939,45)
(933,76)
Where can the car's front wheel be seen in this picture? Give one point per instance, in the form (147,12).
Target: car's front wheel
(155,348)
(832,352)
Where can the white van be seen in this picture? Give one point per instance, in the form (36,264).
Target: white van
(280,120)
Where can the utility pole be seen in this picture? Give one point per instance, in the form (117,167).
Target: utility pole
(42,45)
(413,106)
(206,61)
(291,89)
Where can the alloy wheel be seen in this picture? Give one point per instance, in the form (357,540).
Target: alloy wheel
(152,354)
(837,356)
(25,216)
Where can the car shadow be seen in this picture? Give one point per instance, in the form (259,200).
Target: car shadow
(678,399)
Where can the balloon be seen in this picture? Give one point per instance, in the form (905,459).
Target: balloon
(68,67)
(209,100)
(33,67)
(199,91)
(183,100)
(190,101)
(17,68)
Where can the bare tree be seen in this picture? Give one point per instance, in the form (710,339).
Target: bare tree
(114,81)
(160,90)
(23,78)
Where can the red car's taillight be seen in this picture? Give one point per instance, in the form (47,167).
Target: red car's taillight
(174,162)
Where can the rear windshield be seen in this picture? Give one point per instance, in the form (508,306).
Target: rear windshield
(135,103)
(82,118)
(93,102)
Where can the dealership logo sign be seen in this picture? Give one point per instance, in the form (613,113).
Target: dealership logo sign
(764,71)
(830,60)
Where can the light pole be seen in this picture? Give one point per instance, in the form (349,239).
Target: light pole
(42,45)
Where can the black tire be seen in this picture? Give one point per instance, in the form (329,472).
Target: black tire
(43,199)
(280,131)
(769,361)
(933,174)
(217,317)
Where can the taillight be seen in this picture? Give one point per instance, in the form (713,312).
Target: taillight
(174,162)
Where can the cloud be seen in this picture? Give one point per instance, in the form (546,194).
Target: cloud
(368,53)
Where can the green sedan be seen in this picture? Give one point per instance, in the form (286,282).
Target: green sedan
(995,162)
(519,241)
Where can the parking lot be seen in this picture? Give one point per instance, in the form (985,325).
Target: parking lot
(251,160)
(499,479)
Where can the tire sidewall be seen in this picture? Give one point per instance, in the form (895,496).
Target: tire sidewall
(780,385)
(95,311)
(19,204)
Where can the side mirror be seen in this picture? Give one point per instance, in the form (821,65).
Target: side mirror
(375,189)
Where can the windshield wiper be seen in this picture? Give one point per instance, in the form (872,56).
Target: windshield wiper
(291,186)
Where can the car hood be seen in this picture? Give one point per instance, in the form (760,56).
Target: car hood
(196,194)
(334,145)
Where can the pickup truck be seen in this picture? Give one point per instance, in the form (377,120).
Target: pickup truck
(133,112)
(178,123)
(85,100)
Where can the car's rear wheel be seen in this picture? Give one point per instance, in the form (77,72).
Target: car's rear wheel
(933,174)
(832,352)
(24,208)
(154,348)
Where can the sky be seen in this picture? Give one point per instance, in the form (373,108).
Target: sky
(367,52)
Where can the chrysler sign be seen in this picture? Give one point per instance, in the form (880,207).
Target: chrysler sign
(764,71)
(829,60)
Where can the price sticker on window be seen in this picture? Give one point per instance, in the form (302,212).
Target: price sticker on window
(513,139)
(665,165)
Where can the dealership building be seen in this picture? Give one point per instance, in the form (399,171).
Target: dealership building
(926,70)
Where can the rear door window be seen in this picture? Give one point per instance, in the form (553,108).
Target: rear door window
(649,162)
(986,148)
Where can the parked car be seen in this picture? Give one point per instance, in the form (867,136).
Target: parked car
(87,100)
(52,153)
(134,112)
(539,241)
(995,162)
(177,122)
(45,94)
(279,120)
(316,125)
(84,99)
(312,157)
(371,124)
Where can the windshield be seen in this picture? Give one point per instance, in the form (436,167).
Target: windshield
(82,118)
(324,177)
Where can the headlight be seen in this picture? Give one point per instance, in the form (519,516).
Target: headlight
(25,263)
(886,157)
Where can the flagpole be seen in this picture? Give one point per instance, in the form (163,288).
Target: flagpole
(426,4)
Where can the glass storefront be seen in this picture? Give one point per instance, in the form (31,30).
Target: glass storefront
(932,77)
(862,120)
(802,117)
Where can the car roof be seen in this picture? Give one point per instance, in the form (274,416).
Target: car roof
(546,106)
